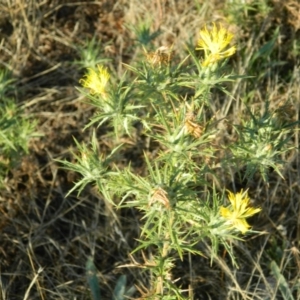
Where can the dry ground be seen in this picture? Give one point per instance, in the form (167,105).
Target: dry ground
(46,238)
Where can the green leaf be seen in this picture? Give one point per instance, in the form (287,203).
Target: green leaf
(119,290)
(92,279)
(282,284)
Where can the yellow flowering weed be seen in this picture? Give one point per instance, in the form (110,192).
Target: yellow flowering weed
(214,43)
(95,80)
(239,210)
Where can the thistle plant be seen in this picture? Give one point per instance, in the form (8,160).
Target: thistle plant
(170,104)
(90,54)
(15,128)
(263,139)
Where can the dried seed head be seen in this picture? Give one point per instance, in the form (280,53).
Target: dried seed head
(160,195)
(162,56)
(191,127)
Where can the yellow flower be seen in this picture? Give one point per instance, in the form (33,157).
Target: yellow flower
(239,210)
(214,43)
(95,80)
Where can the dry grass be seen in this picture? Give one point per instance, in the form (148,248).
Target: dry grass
(47,238)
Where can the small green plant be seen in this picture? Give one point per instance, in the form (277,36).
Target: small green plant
(282,284)
(143,33)
(171,104)
(91,54)
(15,128)
(119,292)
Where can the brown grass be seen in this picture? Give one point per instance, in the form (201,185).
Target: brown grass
(45,237)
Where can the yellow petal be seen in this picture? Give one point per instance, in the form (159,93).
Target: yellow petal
(95,80)
(238,211)
(214,43)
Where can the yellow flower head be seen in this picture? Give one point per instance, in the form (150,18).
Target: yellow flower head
(214,43)
(95,80)
(239,210)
